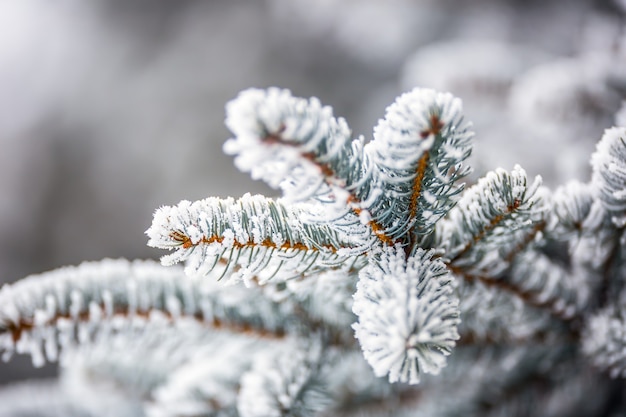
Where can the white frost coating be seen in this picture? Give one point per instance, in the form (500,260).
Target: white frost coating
(572,204)
(489,313)
(405,134)
(89,298)
(293,144)
(604,341)
(326,296)
(283,383)
(609,170)
(69,304)
(491,219)
(420,124)
(564,291)
(263,237)
(207,381)
(408,315)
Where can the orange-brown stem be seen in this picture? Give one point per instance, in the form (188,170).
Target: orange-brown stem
(25,325)
(422,165)
(492,225)
(434,127)
(328,173)
(187,243)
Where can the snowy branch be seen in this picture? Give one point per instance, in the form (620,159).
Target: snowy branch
(255,237)
(407,313)
(495,219)
(43,314)
(418,152)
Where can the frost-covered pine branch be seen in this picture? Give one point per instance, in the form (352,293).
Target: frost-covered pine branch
(254,236)
(377,283)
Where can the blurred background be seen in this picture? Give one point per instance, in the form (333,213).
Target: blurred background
(110,109)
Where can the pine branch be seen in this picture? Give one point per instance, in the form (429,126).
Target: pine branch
(579,219)
(209,381)
(143,360)
(492,315)
(541,283)
(354,387)
(325,297)
(494,219)
(293,143)
(254,236)
(573,212)
(546,284)
(407,313)
(299,146)
(48,312)
(418,152)
(376,233)
(495,381)
(286,382)
(235,377)
(609,173)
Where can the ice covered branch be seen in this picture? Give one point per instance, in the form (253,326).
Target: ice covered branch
(493,221)
(417,153)
(45,313)
(609,172)
(255,237)
(408,315)
(299,146)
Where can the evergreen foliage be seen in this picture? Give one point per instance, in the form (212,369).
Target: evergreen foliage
(504,298)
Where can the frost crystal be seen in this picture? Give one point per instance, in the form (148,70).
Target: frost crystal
(408,315)
(609,170)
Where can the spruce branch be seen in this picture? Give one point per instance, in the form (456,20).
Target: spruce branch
(417,153)
(408,316)
(207,383)
(354,387)
(573,212)
(44,314)
(483,382)
(580,219)
(494,219)
(523,284)
(298,146)
(493,316)
(293,143)
(326,297)
(255,237)
(609,173)
(286,382)
(548,284)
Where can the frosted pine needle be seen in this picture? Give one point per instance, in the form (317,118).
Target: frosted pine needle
(408,316)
